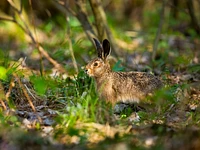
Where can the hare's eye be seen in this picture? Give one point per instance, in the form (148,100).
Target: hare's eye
(95,64)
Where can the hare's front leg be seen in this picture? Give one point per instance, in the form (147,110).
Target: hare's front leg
(108,95)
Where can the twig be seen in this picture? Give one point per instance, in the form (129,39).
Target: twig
(99,17)
(158,34)
(81,15)
(12,4)
(55,63)
(29,91)
(12,84)
(102,25)
(27,97)
(33,21)
(40,48)
(65,5)
(27,30)
(70,42)
(7,19)
(25,93)
(2,97)
(3,104)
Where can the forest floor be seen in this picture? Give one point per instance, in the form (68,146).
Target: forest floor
(70,116)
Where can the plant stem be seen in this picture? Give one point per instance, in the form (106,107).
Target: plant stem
(158,34)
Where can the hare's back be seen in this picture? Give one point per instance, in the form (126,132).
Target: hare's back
(138,81)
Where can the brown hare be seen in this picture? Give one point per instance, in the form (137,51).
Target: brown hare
(117,87)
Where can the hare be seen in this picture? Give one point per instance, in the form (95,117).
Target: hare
(114,87)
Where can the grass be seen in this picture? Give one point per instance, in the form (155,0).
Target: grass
(79,117)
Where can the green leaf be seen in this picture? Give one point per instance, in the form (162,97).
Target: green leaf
(118,67)
(3,73)
(13,119)
(40,84)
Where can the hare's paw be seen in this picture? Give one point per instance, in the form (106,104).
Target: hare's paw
(120,108)
(134,117)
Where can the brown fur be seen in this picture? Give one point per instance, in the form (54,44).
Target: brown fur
(120,86)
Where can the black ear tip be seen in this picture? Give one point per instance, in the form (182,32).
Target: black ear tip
(95,40)
(106,42)
(97,43)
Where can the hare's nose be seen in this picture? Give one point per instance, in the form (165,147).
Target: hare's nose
(86,70)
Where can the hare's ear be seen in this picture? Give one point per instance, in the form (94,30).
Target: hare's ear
(106,48)
(98,48)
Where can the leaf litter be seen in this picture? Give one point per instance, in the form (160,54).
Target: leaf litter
(179,118)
